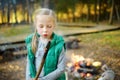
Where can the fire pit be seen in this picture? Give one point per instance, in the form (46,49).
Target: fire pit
(83,68)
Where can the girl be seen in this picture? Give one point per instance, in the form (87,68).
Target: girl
(54,65)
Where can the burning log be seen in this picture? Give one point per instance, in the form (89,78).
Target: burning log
(83,68)
(88,69)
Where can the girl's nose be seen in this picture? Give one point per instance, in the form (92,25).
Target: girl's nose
(44,29)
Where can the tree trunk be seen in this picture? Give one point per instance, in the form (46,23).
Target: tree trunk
(15,14)
(117,13)
(46,3)
(105,13)
(2,14)
(8,13)
(111,13)
(14,8)
(98,16)
(41,3)
(95,10)
(88,5)
(28,12)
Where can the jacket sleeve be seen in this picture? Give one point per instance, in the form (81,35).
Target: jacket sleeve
(27,41)
(60,68)
(27,71)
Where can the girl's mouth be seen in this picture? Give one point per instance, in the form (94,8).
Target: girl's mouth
(45,35)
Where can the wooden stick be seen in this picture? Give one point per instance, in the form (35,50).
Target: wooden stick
(43,60)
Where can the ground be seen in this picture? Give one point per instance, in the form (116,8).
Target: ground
(102,46)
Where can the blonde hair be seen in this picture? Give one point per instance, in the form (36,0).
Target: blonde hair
(43,11)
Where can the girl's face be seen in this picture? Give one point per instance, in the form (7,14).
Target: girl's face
(45,25)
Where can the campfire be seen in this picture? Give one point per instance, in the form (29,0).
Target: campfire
(84,68)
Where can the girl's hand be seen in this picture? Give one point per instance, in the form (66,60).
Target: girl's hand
(33,79)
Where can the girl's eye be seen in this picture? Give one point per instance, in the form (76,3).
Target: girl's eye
(41,26)
(49,26)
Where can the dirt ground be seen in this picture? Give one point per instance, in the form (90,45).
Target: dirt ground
(103,54)
(14,69)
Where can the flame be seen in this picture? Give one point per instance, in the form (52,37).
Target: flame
(88,75)
(76,58)
(69,64)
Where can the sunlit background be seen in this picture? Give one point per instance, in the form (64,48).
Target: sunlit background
(21,11)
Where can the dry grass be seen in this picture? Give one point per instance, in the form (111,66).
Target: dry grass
(104,47)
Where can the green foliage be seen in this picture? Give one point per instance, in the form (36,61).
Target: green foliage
(63,5)
(111,39)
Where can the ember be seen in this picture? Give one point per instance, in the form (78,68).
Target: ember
(83,68)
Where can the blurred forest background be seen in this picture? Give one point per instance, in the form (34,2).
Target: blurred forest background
(76,17)
(20,11)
